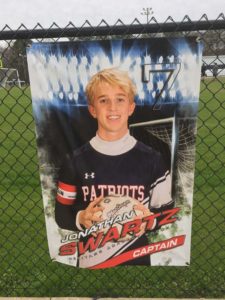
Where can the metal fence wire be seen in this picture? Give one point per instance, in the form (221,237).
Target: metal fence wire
(26,268)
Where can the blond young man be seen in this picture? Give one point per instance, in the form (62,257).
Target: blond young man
(113,162)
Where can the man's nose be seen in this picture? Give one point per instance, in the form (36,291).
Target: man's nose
(112,105)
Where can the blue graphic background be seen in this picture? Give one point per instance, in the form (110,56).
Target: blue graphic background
(59,72)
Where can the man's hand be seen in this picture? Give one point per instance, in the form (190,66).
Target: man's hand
(144,213)
(87,216)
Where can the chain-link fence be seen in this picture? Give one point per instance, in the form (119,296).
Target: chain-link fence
(26,269)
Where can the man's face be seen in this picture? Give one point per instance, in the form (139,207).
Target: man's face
(111,107)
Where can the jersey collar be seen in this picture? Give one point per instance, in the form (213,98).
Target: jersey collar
(123,145)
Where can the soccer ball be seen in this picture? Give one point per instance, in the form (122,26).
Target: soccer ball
(118,210)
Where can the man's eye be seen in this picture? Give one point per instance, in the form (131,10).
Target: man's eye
(103,100)
(121,99)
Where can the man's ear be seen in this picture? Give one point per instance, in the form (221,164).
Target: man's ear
(132,108)
(92,110)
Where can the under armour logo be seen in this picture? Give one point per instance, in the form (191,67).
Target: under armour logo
(89,175)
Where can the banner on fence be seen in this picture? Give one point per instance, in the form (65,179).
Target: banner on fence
(116,127)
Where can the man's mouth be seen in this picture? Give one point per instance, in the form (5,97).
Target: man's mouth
(113,117)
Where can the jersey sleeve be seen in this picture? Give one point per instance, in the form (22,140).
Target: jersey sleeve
(160,190)
(66,204)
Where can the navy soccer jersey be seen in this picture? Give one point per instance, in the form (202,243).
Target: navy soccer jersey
(99,168)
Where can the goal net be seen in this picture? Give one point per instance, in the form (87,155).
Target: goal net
(174,138)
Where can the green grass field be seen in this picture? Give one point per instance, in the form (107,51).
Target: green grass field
(26,268)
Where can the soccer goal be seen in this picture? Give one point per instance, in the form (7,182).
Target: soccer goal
(9,77)
(158,134)
(174,138)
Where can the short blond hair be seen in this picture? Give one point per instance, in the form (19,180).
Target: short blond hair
(112,76)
